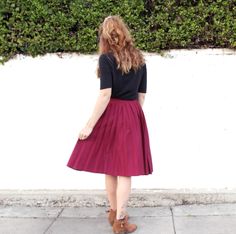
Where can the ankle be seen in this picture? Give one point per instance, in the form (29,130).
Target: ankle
(120,217)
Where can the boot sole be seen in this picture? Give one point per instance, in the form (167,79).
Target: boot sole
(125,232)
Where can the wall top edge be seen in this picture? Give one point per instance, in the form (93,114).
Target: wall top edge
(165,53)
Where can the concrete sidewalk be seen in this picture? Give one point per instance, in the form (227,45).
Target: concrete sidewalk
(183,219)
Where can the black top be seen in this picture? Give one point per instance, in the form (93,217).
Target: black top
(124,86)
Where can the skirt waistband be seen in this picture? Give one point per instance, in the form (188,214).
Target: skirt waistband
(123,100)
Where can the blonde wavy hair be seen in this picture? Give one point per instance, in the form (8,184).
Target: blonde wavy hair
(114,37)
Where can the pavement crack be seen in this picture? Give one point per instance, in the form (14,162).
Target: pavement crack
(173,220)
(54,220)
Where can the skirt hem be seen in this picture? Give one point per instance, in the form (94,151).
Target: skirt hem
(111,173)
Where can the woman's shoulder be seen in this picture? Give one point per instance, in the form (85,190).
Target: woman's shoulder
(106,54)
(106,57)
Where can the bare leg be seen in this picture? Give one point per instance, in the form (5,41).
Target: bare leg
(111,187)
(123,192)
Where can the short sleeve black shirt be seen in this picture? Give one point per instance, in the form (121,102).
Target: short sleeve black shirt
(126,86)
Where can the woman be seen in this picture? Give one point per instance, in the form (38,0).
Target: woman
(115,140)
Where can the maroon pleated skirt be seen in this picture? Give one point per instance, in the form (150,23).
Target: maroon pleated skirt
(118,144)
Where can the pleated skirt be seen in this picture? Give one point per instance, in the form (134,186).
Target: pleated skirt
(118,145)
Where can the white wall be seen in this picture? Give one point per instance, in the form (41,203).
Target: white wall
(190,111)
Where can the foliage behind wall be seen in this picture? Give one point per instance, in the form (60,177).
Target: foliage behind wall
(36,27)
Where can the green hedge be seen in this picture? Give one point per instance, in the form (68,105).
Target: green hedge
(34,27)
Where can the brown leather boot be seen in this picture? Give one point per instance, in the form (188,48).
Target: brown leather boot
(112,216)
(121,226)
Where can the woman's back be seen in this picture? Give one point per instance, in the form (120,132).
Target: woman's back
(124,86)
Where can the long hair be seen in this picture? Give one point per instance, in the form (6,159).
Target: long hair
(114,37)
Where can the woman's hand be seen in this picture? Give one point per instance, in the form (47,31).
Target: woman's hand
(85,132)
(100,106)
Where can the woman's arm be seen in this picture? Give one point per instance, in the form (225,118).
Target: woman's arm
(100,106)
(141,98)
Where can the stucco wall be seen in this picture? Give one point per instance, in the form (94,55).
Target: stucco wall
(190,111)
